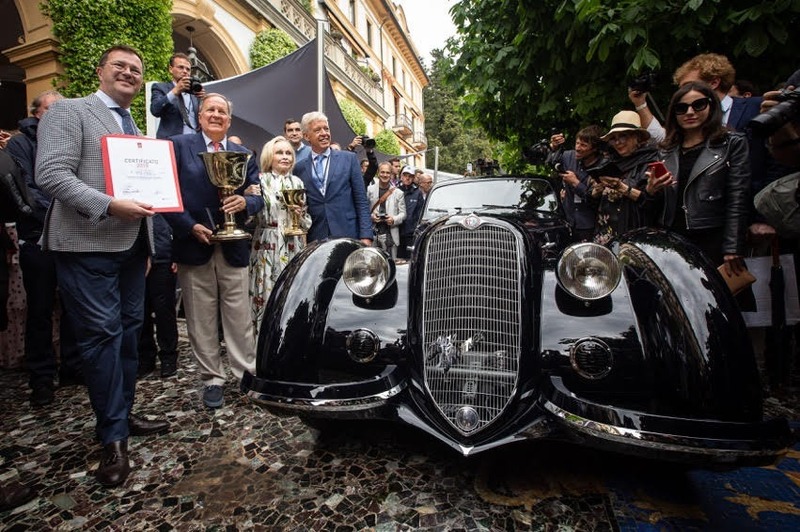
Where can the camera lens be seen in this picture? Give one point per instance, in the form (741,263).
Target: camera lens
(368,142)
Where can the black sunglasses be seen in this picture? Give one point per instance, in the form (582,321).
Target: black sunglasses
(682,108)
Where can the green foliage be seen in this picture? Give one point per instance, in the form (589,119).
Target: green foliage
(386,142)
(269,46)
(86,29)
(307,5)
(444,124)
(527,66)
(354,116)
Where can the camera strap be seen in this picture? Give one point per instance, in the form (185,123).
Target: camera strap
(383,198)
(183,111)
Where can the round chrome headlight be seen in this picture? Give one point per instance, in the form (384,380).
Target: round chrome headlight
(588,271)
(368,271)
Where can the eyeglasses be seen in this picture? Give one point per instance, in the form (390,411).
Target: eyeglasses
(119,66)
(619,139)
(682,108)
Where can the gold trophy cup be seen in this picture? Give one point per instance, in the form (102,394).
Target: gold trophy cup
(226,171)
(294,197)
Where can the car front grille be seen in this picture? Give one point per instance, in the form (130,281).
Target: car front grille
(471,321)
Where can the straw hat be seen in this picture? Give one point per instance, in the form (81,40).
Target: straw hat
(627,121)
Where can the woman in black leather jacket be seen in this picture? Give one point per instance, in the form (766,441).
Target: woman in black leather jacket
(705,194)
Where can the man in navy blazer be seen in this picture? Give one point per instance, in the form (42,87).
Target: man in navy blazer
(173,102)
(335,193)
(213,276)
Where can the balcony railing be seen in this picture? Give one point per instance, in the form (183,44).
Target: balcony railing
(401,124)
(420,141)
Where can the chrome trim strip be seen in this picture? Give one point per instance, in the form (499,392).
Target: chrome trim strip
(326,405)
(645,439)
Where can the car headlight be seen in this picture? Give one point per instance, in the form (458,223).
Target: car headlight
(368,271)
(588,271)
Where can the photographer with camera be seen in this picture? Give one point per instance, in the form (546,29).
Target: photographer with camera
(369,165)
(572,166)
(176,102)
(387,210)
(779,123)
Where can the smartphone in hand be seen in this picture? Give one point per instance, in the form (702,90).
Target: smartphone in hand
(657,168)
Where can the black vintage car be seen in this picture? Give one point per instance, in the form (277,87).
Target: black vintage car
(499,330)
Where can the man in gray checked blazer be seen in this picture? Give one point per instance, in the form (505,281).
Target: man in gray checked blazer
(100,245)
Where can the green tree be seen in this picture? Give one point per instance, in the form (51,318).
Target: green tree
(86,29)
(269,46)
(445,125)
(354,116)
(386,142)
(528,65)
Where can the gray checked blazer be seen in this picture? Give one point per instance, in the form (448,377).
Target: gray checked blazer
(69,167)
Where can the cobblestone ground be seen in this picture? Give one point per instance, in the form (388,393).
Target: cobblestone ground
(239,468)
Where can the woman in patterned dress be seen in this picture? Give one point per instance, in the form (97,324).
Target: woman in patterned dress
(272,250)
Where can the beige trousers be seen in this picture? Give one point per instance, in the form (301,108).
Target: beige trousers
(204,289)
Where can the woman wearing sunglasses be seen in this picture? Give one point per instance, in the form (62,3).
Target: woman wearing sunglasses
(706,192)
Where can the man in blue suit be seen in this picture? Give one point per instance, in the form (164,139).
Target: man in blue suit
(213,276)
(335,193)
(174,102)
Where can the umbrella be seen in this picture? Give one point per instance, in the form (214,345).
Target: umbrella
(777,349)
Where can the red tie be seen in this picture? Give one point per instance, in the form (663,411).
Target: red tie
(217,146)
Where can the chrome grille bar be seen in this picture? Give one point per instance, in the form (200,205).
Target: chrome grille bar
(471,320)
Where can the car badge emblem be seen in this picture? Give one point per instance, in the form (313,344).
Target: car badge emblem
(471,222)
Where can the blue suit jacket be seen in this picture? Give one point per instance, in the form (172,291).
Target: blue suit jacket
(201,205)
(344,209)
(171,121)
(742,110)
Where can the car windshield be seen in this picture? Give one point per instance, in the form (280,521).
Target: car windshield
(471,195)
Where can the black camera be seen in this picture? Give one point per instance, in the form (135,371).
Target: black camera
(768,123)
(367,142)
(195,85)
(538,153)
(644,83)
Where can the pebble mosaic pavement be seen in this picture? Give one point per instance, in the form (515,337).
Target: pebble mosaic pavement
(239,468)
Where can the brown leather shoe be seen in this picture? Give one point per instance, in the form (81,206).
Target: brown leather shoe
(14,494)
(114,467)
(139,426)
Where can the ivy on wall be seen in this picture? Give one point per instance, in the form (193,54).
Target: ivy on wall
(354,116)
(269,46)
(86,29)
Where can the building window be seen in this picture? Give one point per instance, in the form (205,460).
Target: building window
(369,33)
(352,12)
(404,79)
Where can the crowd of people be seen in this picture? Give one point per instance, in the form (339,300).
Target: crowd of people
(695,175)
(115,265)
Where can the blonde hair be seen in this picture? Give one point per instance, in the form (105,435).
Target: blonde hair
(268,153)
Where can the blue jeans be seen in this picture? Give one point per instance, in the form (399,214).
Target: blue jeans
(104,294)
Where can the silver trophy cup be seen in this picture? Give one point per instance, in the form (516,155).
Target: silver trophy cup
(226,171)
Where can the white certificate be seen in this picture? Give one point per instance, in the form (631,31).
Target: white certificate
(142,169)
